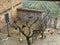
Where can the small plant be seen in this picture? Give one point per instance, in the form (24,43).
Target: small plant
(30,34)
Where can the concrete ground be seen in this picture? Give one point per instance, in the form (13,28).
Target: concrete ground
(49,40)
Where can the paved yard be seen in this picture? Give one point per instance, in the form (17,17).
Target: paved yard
(49,40)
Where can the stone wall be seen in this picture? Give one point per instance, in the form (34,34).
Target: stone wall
(5,7)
